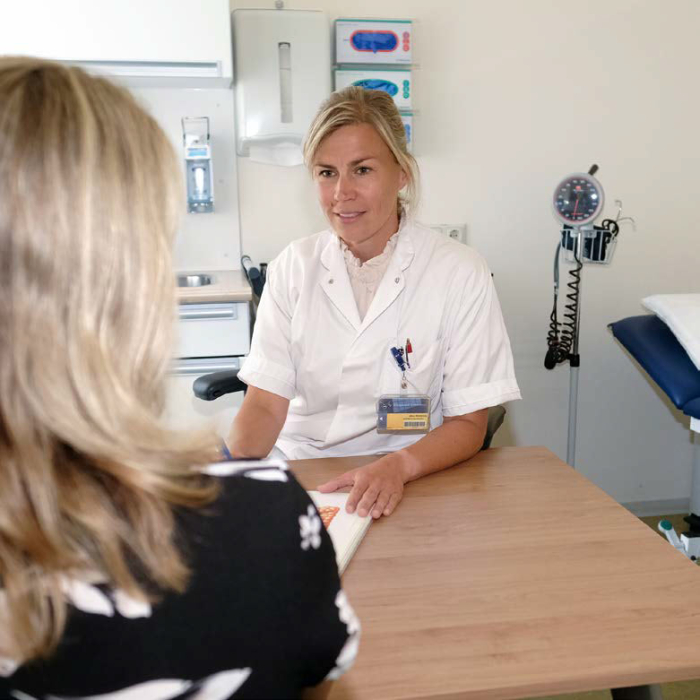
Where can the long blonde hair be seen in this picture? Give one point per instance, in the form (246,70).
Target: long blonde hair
(356,105)
(89,198)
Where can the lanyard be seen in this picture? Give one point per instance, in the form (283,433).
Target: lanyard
(401,353)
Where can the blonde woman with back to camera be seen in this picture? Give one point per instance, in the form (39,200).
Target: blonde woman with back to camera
(373,318)
(125,570)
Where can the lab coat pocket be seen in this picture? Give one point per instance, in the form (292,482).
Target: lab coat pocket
(422,377)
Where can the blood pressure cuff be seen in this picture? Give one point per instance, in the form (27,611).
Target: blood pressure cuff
(650,341)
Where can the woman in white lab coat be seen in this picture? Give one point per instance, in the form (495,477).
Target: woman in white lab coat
(375,306)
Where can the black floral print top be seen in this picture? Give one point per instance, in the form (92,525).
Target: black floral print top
(263,616)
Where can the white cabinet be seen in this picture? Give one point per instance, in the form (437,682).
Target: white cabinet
(213,330)
(213,337)
(145,42)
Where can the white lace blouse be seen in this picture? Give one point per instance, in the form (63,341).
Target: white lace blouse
(365,277)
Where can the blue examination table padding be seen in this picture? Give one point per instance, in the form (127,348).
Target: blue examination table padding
(650,341)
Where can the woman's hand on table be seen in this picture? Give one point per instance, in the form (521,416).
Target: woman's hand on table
(377,488)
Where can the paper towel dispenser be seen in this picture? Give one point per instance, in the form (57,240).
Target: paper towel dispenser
(282,73)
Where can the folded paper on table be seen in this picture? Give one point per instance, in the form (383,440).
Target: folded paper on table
(346,529)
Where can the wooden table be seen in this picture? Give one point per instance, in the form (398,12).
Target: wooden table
(513,576)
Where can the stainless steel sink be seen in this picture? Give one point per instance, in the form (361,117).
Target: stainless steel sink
(198,280)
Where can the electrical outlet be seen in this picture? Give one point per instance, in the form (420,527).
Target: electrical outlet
(457,232)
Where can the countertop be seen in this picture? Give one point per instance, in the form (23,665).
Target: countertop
(228,285)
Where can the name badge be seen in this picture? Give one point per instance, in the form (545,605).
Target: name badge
(403,414)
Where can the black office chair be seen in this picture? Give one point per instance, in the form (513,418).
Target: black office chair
(496,416)
(210,386)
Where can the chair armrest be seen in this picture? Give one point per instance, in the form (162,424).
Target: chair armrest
(496,415)
(210,386)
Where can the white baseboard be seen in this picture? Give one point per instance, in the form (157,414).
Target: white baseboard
(671,506)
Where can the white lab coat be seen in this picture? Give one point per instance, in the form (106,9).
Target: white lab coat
(310,346)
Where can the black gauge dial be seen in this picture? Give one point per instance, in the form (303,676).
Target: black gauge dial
(578,199)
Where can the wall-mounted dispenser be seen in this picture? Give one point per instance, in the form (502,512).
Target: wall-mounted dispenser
(282,73)
(199,174)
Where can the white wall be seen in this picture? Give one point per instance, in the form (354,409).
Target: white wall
(209,241)
(512,96)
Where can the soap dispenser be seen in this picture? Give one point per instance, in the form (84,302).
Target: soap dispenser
(199,173)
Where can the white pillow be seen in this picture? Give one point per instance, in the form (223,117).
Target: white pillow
(681,313)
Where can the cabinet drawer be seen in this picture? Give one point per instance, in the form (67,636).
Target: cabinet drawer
(213,330)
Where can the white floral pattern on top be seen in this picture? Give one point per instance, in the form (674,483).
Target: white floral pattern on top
(310,529)
(90,599)
(244,465)
(348,653)
(131,607)
(220,686)
(267,475)
(7,665)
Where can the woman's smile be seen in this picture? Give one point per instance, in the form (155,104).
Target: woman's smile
(349,217)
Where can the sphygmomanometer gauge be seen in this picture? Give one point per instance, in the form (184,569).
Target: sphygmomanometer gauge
(578,199)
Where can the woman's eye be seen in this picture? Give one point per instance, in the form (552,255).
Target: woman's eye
(363,170)
(325,173)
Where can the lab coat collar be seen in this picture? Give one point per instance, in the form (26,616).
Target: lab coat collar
(394,281)
(336,282)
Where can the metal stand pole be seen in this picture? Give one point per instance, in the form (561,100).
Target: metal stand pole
(574,362)
(573,406)
(695,492)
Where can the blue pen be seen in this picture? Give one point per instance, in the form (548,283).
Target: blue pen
(399,359)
